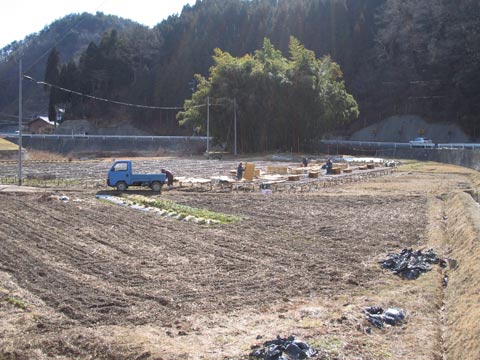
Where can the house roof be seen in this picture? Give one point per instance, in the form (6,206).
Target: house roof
(42,118)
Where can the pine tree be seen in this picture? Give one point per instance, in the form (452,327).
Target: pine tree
(52,76)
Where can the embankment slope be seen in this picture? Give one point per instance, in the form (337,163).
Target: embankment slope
(462,295)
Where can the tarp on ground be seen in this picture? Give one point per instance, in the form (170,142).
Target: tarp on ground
(410,264)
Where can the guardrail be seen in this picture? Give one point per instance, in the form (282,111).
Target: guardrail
(86,136)
(395,145)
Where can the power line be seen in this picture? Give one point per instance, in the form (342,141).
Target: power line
(427,97)
(24,117)
(9,115)
(113,101)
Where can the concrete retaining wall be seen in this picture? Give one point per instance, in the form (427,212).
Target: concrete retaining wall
(77,145)
(462,157)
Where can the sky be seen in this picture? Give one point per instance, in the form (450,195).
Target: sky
(19,18)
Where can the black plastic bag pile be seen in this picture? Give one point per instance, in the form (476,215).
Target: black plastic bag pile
(377,317)
(284,349)
(410,264)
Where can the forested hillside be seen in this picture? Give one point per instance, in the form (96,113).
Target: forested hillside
(427,61)
(396,57)
(70,35)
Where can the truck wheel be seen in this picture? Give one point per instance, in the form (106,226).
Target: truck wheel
(156,186)
(121,186)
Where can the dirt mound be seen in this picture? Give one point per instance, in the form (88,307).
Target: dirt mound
(407,127)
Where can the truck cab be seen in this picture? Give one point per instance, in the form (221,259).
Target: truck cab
(121,177)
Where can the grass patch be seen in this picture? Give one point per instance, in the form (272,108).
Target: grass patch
(310,323)
(430,167)
(46,156)
(330,345)
(224,340)
(16,302)
(183,211)
(39,182)
(7,145)
(413,165)
(462,293)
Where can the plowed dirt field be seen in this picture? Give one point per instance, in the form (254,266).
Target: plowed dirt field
(87,279)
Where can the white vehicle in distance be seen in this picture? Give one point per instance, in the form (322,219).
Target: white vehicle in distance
(422,142)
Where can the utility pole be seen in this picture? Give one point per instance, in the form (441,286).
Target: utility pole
(235,126)
(208,126)
(20,79)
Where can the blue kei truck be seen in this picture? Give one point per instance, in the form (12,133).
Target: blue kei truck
(121,177)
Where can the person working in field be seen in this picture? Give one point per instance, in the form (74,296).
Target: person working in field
(169,177)
(328,166)
(240,170)
(305,162)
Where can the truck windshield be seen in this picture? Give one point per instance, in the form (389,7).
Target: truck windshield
(120,167)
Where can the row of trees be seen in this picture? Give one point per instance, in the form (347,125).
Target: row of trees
(280,103)
(109,70)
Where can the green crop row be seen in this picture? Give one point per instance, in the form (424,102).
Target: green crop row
(184,210)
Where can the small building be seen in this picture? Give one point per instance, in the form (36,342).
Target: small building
(41,125)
